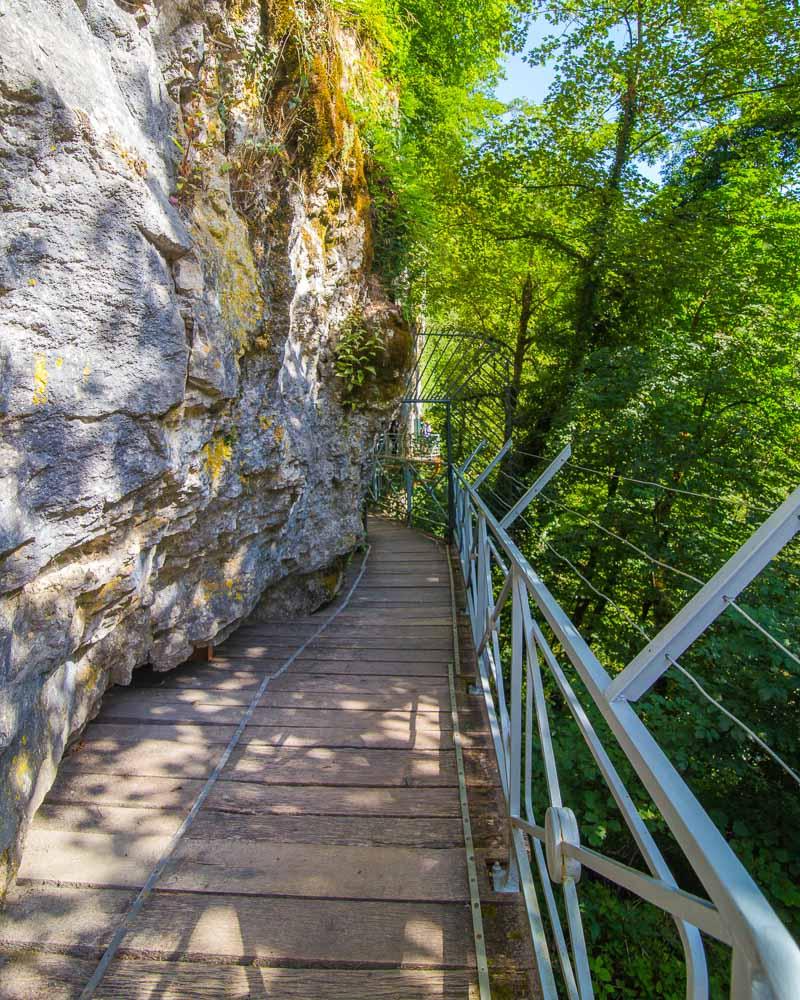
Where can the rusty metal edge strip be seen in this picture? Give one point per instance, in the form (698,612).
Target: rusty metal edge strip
(158,869)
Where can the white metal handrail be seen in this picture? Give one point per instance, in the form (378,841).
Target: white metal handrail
(765,958)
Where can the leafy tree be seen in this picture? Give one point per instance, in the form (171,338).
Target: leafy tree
(655,326)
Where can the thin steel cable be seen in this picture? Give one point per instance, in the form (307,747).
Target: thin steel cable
(767,634)
(649,482)
(506,506)
(753,736)
(619,538)
(689,676)
(775,641)
(611,534)
(439,376)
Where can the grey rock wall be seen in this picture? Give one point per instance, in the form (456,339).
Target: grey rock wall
(172,443)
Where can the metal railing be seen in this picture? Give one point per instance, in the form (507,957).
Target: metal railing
(409,481)
(404,444)
(547,850)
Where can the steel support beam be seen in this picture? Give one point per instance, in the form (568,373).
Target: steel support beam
(560,459)
(475,452)
(489,468)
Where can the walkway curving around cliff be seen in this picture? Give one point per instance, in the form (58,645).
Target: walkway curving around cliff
(327,856)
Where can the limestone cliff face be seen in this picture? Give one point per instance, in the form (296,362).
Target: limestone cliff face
(184,230)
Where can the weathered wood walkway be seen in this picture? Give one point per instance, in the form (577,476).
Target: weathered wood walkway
(328,859)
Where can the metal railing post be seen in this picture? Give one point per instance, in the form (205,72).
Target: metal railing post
(510,880)
(451,520)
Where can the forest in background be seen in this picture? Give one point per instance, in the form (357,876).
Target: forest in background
(654,324)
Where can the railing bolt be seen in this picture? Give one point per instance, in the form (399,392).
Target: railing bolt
(503,880)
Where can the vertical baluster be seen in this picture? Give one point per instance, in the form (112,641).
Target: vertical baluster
(579,952)
(480,568)
(501,691)
(515,748)
(538,852)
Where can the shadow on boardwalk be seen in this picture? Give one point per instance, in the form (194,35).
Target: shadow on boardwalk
(328,858)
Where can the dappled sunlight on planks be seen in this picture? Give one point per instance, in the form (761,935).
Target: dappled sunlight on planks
(328,858)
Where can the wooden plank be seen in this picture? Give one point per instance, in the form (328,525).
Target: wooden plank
(389,603)
(125,697)
(393,554)
(422,596)
(411,686)
(58,977)
(420,703)
(371,667)
(421,617)
(274,655)
(196,927)
(205,735)
(239,797)
(351,640)
(112,860)
(404,545)
(323,766)
(92,816)
(367,831)
(131,730)
(346,698)
(340,630)
(143,757)
(427,599)
(52,916)
(242,673)
(34,976)
(336,872)
(236,981)
(246,675)
(205,712)
(222,677)
(129,791)
(345,627)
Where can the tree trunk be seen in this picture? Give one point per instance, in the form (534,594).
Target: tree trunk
(507,466)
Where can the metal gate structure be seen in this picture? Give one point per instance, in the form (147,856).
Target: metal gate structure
(462,379)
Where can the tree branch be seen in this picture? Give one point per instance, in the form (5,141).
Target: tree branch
(542,236)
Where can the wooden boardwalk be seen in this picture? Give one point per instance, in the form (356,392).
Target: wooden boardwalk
(328,858)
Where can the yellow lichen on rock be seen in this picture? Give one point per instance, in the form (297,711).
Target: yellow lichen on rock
(216,455)
(21,774)
(222,234)
(134,163)
(238,9)
(40,378)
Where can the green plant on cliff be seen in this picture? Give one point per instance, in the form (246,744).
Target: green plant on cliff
(358,352)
